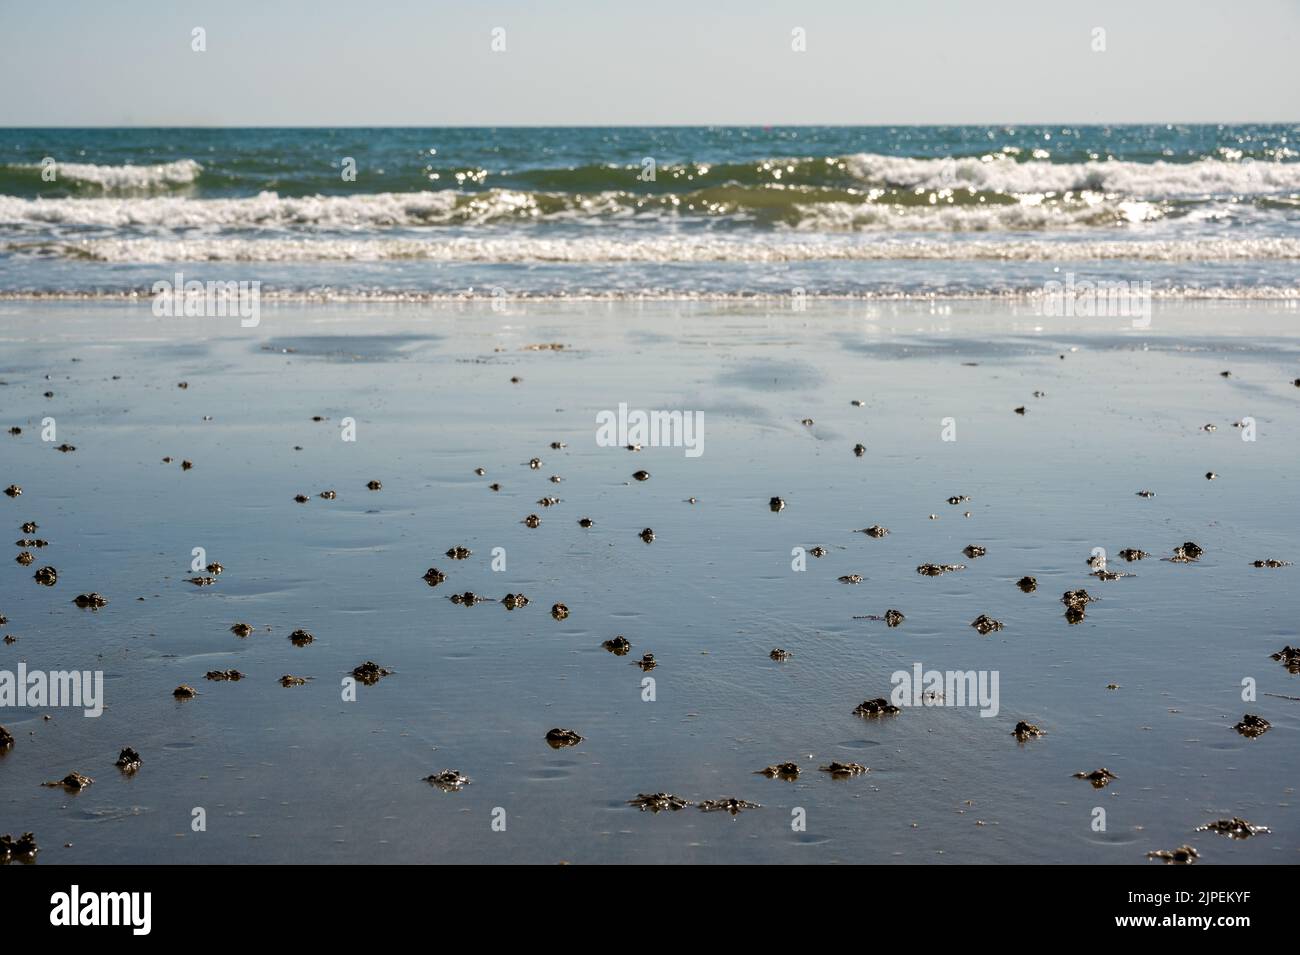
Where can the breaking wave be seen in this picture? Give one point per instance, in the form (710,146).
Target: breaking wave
(802,209)
(1003,174)
(650,249)
(125,178)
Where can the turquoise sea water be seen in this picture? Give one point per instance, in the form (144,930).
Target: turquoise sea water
(680,211)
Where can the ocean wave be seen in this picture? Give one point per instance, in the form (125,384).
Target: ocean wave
(125,178)
(654,249)
(861,193)
(995,173)
(1004,173)
(830,210)
(1000,173)
(1035,214)
(265,210)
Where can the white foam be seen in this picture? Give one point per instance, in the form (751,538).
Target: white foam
(178,173)
(1032,214)
(787,247)
(1000,173)
(268,210)
(1288,294)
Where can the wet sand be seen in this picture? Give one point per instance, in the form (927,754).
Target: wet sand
(298,774)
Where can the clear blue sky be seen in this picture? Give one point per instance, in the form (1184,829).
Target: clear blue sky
(622,62)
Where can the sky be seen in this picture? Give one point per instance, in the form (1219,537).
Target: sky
(628,62)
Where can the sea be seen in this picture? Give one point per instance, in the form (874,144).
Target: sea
(1198,211)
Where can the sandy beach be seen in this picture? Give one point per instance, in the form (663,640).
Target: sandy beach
(1148,684)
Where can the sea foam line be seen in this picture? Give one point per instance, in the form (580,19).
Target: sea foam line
(656,249)
(1287,294)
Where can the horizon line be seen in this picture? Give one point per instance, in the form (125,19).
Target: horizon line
(963,125)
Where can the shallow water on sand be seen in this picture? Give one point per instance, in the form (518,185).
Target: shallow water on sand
(301,775)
